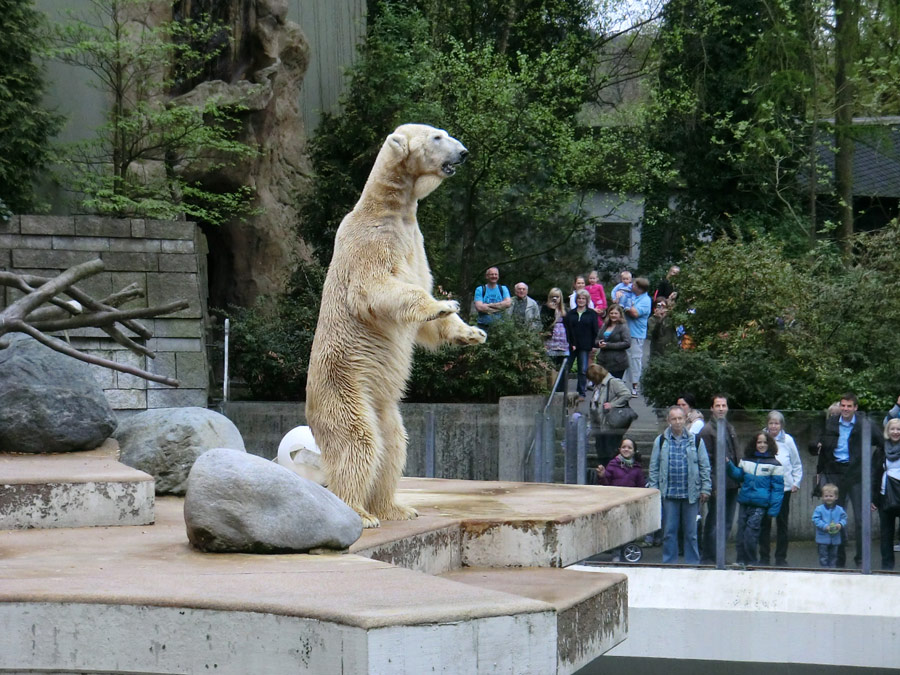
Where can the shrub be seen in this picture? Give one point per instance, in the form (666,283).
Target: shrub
(512,362)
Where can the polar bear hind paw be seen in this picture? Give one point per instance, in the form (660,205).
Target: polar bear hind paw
(399,512)
(368,520)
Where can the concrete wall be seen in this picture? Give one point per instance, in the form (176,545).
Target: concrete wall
(472,441)
(166,259)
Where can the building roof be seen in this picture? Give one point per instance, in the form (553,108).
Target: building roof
(876,157)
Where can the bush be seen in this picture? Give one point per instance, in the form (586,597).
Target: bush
(512,362)
(271,341)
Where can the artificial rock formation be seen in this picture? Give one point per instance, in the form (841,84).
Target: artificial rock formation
(49,402)
(241,503)
(263,71)
(165,442)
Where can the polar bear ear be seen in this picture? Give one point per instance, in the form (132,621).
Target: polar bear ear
(399,143)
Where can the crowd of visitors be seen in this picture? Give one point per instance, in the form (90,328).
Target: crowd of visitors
(603,336)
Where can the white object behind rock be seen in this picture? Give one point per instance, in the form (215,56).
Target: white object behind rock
(299,453)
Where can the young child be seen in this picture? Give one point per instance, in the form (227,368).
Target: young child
(623,470)
(762,488)
(829,519)
(578,285)
(598,295)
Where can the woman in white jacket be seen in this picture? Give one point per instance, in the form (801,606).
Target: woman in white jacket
(793,474)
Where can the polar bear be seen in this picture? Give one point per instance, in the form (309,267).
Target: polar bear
(376,305)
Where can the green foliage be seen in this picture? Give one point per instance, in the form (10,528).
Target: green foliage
(271,341)
(512,362)
(147,159)
(514,112)
(25,125)
(777,332)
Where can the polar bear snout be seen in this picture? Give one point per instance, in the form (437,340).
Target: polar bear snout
(449,167)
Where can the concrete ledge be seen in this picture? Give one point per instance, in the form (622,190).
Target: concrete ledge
(77,489)
(591,613)
(155,605)
(827,618)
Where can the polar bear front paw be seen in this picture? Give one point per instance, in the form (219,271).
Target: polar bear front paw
(472,336)
(368,520)
(445,308)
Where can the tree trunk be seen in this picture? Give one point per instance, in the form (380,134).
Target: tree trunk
(846,39)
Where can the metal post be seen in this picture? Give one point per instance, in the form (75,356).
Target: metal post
(537,459)
(567,364)
(571,451)
(225,374)
(549,457)
(721,457)
(581,455)
(866,497)
(429,444)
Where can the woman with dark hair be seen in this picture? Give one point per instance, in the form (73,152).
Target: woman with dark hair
(694,418)
(762,488)
(615,340)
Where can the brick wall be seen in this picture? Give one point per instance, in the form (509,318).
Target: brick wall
(166,259)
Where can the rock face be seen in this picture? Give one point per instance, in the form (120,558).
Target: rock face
(263,71)
(241,503)
(49,402)
(167,441)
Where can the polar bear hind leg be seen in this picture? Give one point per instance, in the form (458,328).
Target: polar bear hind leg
(393,460)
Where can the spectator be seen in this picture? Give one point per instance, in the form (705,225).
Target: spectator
(525,309)
(581,331)
(637,315)
(789,458)
(679,469)
(661,330)
(762,489)
(615,341)
(491,299)
(598,294)
(666,288)
(621,292)
(553,314)
(609,393)
(830,520)
(840,461)
(579,285)
(886,465)
(710,435)
(623,470)
(893,413)
(695,422)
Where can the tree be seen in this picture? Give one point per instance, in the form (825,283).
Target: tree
(516,199)
(147,158)
(25,125)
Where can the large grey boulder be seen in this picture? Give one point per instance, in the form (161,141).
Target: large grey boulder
(165,442)
(241,503)
(49,402)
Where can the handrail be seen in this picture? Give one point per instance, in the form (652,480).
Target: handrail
(564,368)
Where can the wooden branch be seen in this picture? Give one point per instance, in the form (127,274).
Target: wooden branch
(27,316)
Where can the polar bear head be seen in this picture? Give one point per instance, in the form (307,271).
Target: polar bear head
(425,154)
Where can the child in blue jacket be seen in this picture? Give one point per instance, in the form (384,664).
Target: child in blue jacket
(830,520)
(762,488)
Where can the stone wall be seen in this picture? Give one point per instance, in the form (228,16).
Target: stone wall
(166,259)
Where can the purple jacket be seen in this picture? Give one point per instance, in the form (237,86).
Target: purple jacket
(622,476)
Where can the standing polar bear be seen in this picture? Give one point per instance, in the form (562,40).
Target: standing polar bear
(376,305)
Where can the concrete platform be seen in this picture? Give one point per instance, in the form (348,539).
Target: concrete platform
(139,599)
(73,489)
